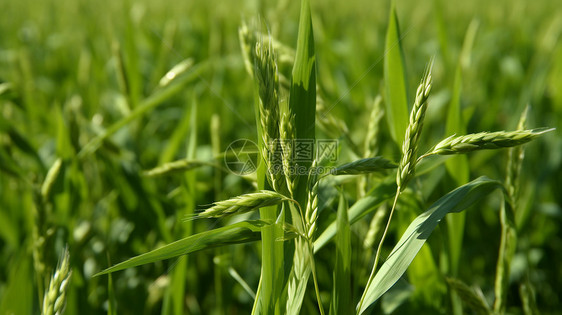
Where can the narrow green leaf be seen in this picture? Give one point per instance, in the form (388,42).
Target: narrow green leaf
(396,94)
(441,30)
(341,294)
(178,166)
(241,232)
(360,208)
(303,84)
(364,166)
(417,234)
(423,272)
(302,99)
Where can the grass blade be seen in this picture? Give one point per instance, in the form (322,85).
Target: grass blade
(396,95)
(341,294)
(302,100)
(417,234)
(241,232)
(364,166)
(423,273)
(303,85)
(178,166)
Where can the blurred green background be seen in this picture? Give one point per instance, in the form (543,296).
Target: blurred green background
(69,70)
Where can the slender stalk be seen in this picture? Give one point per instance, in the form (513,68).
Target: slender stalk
(314,277)
(379,248)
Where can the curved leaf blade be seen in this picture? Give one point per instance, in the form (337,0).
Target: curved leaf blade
(417,233)
(396,94)
(375,164)
(241,232)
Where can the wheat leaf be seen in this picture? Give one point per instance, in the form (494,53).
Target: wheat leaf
(417,234)
(364,166)
(396,100)
(241,232)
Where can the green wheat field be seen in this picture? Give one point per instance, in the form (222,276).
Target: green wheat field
(280,157)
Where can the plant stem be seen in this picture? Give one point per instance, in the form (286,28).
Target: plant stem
(379,248)
(314,278)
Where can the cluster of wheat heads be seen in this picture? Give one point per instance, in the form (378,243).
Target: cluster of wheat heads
(288,203)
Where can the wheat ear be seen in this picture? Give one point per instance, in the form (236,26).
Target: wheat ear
(311,212)
(244,203)
(407,165)
(287,134)
(484,141)
(55,297)
(267,78)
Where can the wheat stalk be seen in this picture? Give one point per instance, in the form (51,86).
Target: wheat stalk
(508,240)
(242,204)
(55,297)
(514,162)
